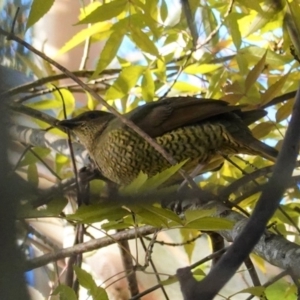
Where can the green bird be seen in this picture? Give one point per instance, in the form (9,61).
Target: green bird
(202,131)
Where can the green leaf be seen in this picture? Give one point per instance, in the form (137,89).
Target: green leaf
(109,51)
(65,292)
(100,294)
(188,234)
(53,209)
(255,290)
(134,186)
(105,12)
(125,82)
(234,29)
(209,223)
(157,180)
(255,72)
(85,33)
(38,9)
(162,212)
(254,53)
(148,87)
(98,212)
(85,279)
(163,10)
(142,40)
(32,174)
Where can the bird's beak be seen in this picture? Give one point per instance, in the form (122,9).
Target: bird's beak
(70,124)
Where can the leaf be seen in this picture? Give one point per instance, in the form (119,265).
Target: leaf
(163,10)
(157,180)
(187,87)
(53,209)
(188,234)
(202,68)
(109,52)
(284,111)
(123,84)
(65,292)
(32,174)
(98,212)
(134,186)
(85,33)
(105,12)
(162,212)
(262,129)
(209,224)
(148,87)
(38,9)
(255,290)
(234,29)
(274,90)
(142,40)
(85,279)
(255,72)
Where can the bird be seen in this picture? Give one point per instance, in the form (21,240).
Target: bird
(201,131)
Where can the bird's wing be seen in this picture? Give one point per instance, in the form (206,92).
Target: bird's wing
(159,117)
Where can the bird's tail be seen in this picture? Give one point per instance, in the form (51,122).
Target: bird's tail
(264,150)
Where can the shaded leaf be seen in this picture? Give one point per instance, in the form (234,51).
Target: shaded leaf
(85,279)
(274,90)
(255,73)
(148,87)
(65,292)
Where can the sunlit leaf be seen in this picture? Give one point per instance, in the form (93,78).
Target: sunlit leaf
(85,33)
(202,68)
(142,40)
(105,12)
(125,82)
(109,51)
(38,9)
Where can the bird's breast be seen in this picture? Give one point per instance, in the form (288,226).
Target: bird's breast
(121,154)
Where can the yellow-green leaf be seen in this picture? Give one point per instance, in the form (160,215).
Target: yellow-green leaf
(142,40)
(262,129)
(202,68)
(125,82)
(85,33)
(148,87)
(105,12)
(109,51)
(38,9)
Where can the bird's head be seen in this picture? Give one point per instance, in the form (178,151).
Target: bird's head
(88,125)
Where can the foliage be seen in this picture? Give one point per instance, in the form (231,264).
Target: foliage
(238,51)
